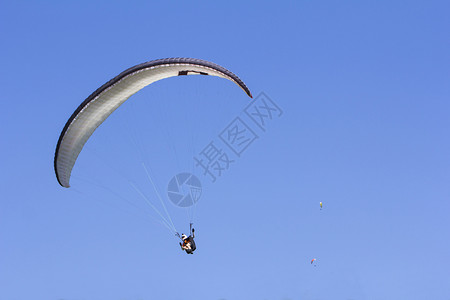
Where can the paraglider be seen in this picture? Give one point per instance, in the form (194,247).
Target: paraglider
(93,111)
(188,243)
(320,205)
(313,261)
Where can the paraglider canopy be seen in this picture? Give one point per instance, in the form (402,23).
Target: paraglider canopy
(107,98)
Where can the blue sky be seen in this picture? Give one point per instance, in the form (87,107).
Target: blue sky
(364,90)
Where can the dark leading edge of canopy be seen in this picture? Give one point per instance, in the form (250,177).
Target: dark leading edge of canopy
(139,67)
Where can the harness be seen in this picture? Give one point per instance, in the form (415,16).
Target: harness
(189,242)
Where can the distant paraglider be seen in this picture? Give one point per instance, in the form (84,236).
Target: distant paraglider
(313,261)
(320,205)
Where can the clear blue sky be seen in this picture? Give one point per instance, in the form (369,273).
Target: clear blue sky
(364,89)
